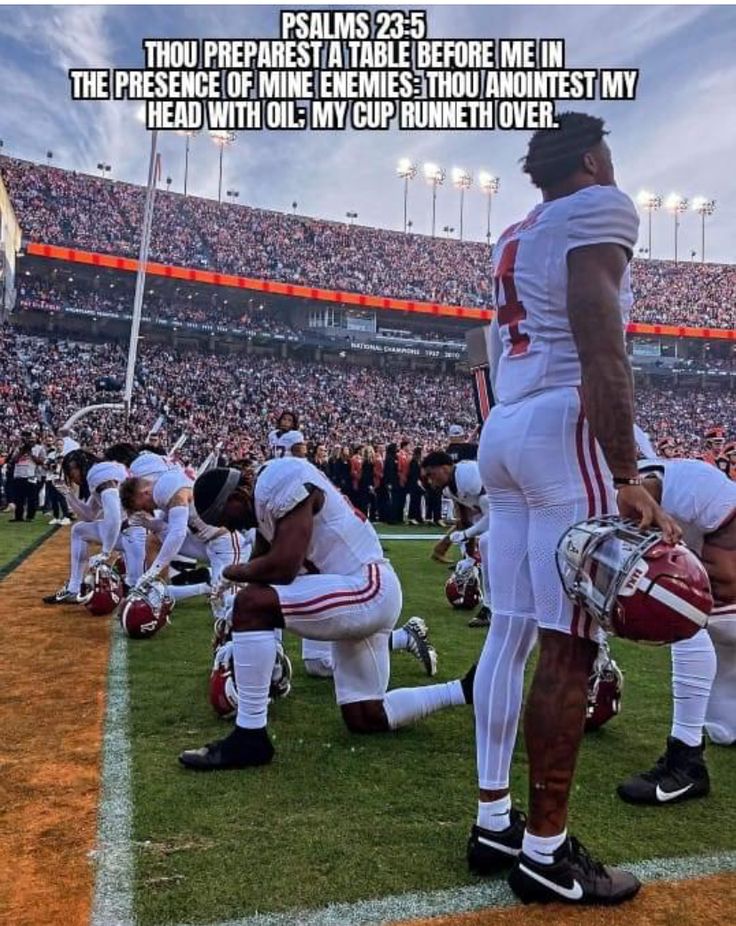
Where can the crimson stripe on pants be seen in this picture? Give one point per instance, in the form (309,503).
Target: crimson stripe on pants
(338,599)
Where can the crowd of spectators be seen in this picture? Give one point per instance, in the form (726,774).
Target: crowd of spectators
(232,400)
(66,208)
(229,399)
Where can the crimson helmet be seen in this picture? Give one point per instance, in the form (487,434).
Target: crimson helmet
(635,585)
(146,610)
(103,590)
(223,694)
(463,587)
(605,688)
(667,447)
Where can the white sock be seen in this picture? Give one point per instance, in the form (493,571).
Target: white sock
(497,696)
(80,557)
(720,718)
(404,705)
(693,671)
(253,655)
(495,815)
(399,639)
(182,592)
(540,849)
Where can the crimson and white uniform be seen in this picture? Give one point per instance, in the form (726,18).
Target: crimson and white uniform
(540,464)
(352,595)
(703,499)
(188,535)
(466,488)
(100,521)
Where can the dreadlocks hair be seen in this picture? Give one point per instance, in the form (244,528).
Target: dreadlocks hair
(555,154)
(82,459)
(121,453)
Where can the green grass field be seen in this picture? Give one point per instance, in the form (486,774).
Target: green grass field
(338,817)
(15,539)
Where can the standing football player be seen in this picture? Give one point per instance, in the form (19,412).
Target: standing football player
(350,596)
(554,450)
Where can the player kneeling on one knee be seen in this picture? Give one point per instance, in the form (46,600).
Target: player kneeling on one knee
(318,571)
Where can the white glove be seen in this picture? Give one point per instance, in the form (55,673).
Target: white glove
(222,604)
(223,656)
(458,537)
(146,578)
(467,562)
(99,559)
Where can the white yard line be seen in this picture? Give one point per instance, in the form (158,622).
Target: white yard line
(465,899)
(113,897)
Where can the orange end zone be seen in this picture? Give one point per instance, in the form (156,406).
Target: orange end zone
(52,701)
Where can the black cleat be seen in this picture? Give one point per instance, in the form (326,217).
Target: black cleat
(63,596)
(467,682)
(489,850)
(482,618)
(679,775)
(574,877)
(241,749)
(192,576)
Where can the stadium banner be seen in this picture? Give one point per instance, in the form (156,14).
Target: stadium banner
(10,243)
(211,278)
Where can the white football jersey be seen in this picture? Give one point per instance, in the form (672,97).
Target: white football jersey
(699,496)
(107,471)
(342,541)
(530,286)
(467,489)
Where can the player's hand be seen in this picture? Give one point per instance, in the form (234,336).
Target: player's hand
(99,559)
(61,487)
(636,504)
(223,656)
(458,537)
(149,576)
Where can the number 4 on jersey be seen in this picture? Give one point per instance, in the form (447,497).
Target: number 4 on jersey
(510,310)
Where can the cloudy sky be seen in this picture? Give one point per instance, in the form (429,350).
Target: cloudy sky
(679,135)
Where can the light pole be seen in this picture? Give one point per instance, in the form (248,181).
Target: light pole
(651,202)
(448,230)
(435,176)
(168,184)
(489,185)
(351,217)
(703,206)
(462,180)
(223,139)
(406,169)
(294,206)
(232,194)
(103,168)
(49,156)
(677,205)
(188,134)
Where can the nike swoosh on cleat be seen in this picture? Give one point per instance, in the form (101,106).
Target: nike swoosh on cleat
(570,893)
(665,796)
(498,846)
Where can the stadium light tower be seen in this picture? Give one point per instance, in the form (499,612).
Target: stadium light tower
(406,169)
(188,134)
(489,185)
(223,139)
(435,177)
(677,205)
(351,217)
(651,202)
(703,206)
(462,180)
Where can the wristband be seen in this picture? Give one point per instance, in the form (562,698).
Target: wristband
(633,481)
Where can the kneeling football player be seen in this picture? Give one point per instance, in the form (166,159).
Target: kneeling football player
(350,596)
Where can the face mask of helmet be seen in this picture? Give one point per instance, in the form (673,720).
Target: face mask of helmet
(634,584)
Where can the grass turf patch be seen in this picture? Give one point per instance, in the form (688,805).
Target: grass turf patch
(338,817)
(16,538)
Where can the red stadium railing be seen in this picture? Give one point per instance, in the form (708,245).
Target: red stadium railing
(212,278)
